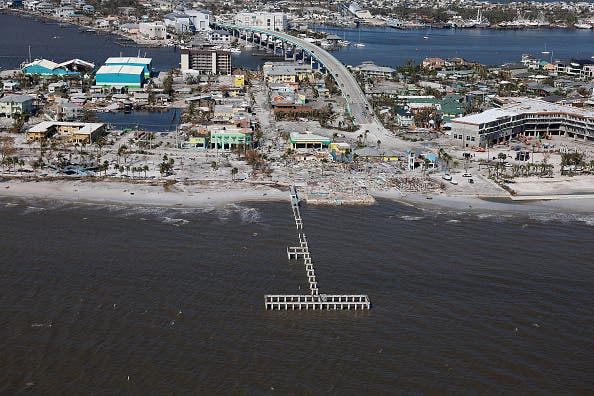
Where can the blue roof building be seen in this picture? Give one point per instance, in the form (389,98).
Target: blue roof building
(118,76)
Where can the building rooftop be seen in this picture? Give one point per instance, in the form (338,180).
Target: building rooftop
(16,98)
(135,60)
(297,137)
(85,127)
(120,69)
(522,105)
(48,64)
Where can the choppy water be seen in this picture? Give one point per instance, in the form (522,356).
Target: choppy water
(112,300)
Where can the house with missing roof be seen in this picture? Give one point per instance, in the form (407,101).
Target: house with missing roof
(45,67)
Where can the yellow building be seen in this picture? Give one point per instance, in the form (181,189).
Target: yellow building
(238,80)
(340,148)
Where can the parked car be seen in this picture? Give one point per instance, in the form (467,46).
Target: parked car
(466,175)
(447,177)
(454,182)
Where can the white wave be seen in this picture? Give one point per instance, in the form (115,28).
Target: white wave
(48,324)
(485,215)
(453,221)
(175,222)
(563,218)
(33,209)
(412,218)
(250,215)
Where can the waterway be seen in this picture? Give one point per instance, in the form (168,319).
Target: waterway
(393,47)
(157,121)
(111,300)
(385,46)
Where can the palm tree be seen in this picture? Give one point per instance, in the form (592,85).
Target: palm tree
(145,168)
(234,173)
(121,152)
(100,143)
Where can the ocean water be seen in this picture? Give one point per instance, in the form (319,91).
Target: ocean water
(103,299)
(385,46)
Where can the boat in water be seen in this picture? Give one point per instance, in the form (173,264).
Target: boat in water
(395,23)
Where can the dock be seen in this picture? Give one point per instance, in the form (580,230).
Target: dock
(295,207)
(322,302)
(315,300)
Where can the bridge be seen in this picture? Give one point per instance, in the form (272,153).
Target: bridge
(357,104)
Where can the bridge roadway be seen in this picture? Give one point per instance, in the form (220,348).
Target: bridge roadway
(359,107)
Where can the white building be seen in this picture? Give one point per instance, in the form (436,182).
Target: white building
(219,36)
(200,19)
(522,116)
(276,21)
(179,21)
(152,30)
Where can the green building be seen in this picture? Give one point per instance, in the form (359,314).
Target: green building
(227,139)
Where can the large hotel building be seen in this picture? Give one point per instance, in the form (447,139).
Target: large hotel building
(522,116)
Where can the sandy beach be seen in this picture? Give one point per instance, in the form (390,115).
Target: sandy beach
(199,195)
(563,203)
(220,193)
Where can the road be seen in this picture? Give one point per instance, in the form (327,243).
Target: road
(359,107)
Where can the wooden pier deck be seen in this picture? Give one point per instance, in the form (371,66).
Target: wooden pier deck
(295,207)
(315,300)
(276,302)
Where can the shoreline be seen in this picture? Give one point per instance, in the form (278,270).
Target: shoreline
(213,193)
(181,195)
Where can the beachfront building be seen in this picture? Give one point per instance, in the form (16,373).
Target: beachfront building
(374,155)
(13,105)
(146,63)
(276,21)
(205,61)
(119,77)
(152,30)
(196,142)
(308,140)
(46,67)
(229,137)
(522,116)
(75,132)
